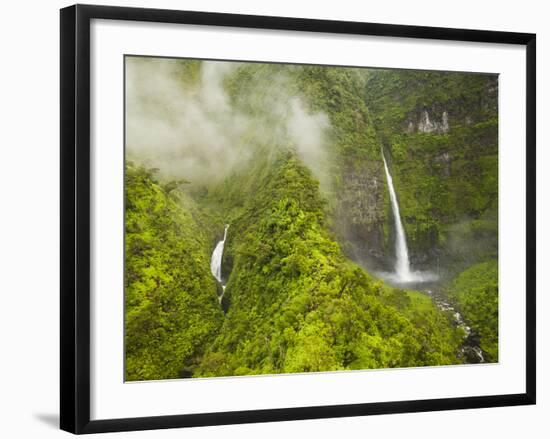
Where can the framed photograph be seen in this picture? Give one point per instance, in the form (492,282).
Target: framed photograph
(268,218)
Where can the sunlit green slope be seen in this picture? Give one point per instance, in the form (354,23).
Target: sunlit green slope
(296,304)
(172,312)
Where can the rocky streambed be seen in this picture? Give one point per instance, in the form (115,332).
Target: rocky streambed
(470,351)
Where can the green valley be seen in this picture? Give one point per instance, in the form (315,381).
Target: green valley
(289,157)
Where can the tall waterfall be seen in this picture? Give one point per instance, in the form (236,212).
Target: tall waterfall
(216,261)
(402,263)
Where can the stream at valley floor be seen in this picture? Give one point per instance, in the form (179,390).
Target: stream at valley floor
(470,349)
(404,276)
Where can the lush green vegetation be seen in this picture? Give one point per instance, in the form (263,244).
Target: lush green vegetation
(476,293)
(296,304)
(446,178)
(352,175)
(305,234)
(172,311)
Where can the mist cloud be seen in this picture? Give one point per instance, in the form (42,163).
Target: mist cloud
(192,129)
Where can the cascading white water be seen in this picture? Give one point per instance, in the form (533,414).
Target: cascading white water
(402,263)
(403,273)
(216,260)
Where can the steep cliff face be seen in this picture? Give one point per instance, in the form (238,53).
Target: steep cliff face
(347,162)
(362,217)
(358,196)
(441,133)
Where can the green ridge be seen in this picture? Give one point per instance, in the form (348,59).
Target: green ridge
(172,311)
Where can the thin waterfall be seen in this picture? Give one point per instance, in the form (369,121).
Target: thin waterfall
(216,260)
(402,263)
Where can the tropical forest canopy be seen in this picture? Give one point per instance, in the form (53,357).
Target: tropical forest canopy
(290,158)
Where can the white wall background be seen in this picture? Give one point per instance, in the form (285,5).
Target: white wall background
(29,206)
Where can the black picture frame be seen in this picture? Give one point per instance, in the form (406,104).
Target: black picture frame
(76,210)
